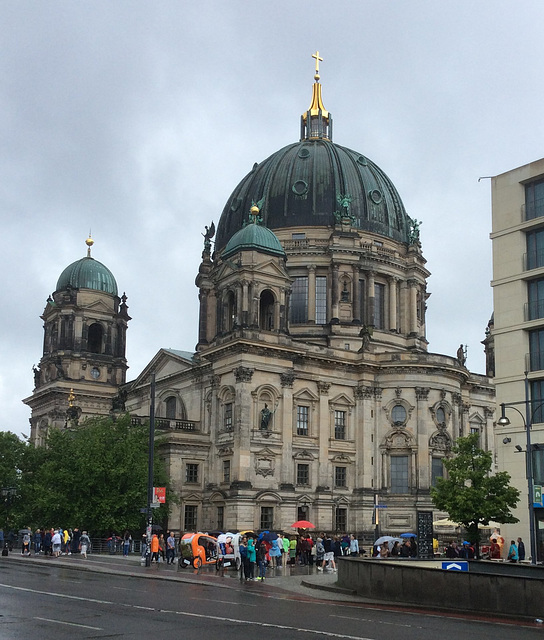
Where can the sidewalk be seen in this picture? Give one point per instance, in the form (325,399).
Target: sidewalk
(300,580)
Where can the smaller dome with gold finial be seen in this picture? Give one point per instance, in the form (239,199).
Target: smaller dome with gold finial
(253,236)
(87,273)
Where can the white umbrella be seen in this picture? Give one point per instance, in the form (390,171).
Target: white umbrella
(384,539)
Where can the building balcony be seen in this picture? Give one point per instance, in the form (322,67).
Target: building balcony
(532,210)
(533,260)
(533,310)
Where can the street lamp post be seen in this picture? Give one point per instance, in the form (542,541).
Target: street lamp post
(151,454)
(527,422)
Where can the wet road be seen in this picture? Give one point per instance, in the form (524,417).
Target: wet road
(48,601)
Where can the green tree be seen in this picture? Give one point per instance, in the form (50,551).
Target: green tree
(471,495)
(12,451)
(93,477)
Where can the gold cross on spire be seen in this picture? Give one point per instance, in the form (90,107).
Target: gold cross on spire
(317,61)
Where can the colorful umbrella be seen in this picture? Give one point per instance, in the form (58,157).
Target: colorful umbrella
(408,535)
(303,524)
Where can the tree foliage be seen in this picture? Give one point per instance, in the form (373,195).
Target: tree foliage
(471,495)
(12,451)
(92,477)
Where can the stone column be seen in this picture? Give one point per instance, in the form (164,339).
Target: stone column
(245,303)
(334,292)
(242,425)
(356,305)
(203,317)
(413,306)
(311,294)
(371,298)
(286,427)
(392,304)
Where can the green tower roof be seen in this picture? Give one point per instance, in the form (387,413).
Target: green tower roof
(88,273)
(254,236)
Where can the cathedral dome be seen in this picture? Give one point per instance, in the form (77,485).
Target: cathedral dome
(88,273)
(316,182)
(254,236)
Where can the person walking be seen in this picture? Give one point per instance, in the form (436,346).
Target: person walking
(85,543)
(25,550)
(319,554)
(251,557)
(261,560)
(162,548)
(513,552)
(37,541)
(285,550)
(76,540)
(521,550)
(244,563)
(353,546)
(127,539)
(56,541)
(170,549)
(155,548)
(328,558)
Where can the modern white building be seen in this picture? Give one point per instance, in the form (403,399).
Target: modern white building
(518,334)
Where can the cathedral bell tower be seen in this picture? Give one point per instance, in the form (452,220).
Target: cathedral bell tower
(83,362)
(243,290)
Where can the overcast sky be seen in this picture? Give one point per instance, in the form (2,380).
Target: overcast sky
(137,120)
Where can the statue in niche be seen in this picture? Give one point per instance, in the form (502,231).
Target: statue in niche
(266,417)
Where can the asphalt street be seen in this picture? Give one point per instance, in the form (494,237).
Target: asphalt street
(116,598)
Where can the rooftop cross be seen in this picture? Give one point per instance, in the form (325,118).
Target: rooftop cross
(317,61)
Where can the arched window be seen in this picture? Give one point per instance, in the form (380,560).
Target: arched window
(266,310)
(94,339)
(230,311)
(171,407)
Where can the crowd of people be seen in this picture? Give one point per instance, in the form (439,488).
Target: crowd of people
(301,550)
(53,542)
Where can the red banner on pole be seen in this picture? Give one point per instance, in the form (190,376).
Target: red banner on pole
(160,494)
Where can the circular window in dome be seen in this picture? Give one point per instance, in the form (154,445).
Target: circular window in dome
(304,153)
(398,414)
(375,195)
(300,187)
(362,160)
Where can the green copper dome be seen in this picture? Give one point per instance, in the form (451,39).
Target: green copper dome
(88,273)
(253,236)
(315,183)
(301,185)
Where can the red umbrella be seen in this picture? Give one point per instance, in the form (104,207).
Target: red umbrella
(303,524)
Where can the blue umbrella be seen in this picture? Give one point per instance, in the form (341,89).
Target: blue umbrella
(408,535)
(270,536)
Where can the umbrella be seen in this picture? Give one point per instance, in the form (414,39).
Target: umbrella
(408,535)
(303,524)
(384,539)
(270,536)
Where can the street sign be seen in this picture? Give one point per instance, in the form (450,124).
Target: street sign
(380,506)
(537,495)
(458,565)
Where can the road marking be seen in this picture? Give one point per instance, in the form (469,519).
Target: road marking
(188,614)
(71,624)
(396,624)
(243,604)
